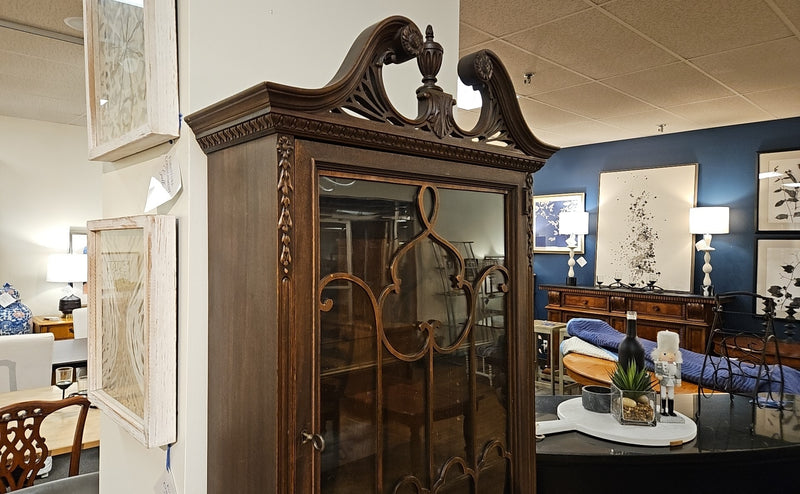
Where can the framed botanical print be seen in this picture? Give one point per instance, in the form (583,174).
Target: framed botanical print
(133,324)
(778,272)
(779,191)
(643,225)
(546,209)
(131,76)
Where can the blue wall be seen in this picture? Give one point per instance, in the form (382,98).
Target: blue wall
(727,176)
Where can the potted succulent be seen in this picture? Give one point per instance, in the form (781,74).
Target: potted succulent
(632,396)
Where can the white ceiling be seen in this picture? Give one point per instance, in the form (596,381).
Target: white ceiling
(602,70)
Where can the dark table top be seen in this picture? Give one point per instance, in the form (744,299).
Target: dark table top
(722,426)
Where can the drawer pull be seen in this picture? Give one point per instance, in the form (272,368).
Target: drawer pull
(656,308)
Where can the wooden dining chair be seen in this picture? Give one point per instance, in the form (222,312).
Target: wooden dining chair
(23,450)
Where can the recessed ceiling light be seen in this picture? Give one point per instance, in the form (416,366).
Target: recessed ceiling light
(75,23)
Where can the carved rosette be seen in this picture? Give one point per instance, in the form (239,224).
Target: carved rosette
(285,150)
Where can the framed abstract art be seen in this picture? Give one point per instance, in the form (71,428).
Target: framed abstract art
(643,225)
(133,324)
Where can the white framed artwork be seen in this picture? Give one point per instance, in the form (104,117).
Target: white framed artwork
(133,324)
(643,226)
(778,193)
(778,272)
(131,76)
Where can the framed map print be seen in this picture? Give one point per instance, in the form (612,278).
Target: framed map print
(546,209)
(131,76)
(133,324)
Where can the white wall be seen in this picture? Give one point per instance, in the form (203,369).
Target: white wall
(48,185)
(225,48)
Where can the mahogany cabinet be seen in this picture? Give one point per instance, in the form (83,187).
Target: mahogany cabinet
(346,320)
(687,314)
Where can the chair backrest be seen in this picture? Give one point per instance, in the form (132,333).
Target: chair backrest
(80,323)
(23,450)
(26,361)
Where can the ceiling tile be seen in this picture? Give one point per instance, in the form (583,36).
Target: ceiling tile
(590,43)
(594,101)
(468,38)
(756,68)
(648,123)
(544,116)
(721,112)
(500,17)
(546,76)
(43,14)
(791,9)
(12,41)
(693,28)
(587,132)
(669,85)
(782,103)
(38,108)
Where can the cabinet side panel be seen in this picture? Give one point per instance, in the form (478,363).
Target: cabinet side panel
(242,330)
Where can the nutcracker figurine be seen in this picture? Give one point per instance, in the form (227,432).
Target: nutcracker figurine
(667,361)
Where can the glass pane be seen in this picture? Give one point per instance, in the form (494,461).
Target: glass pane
(412,336)
(122,282)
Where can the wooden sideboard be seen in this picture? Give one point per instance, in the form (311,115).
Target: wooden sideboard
(687,314)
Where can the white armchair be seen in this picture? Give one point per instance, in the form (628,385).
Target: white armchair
(26,361)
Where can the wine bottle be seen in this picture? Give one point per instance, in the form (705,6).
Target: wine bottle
(630,350)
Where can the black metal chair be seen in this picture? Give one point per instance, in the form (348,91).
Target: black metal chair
(742,352)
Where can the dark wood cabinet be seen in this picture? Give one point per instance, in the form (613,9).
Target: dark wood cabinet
(687,314)
(348,329)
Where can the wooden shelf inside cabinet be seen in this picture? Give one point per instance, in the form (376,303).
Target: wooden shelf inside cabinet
(687,314)
(61,328)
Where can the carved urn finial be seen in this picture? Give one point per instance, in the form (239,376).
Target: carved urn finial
(430,59)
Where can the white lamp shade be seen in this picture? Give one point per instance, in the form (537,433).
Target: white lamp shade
(67,268)
(708,220)
(573,222)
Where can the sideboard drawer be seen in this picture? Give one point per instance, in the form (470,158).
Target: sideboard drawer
(663,309)
(585,301)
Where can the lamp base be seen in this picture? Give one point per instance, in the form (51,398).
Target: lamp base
(67,304)
(708,290)
(572,281)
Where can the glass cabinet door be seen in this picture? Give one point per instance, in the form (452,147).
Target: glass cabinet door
(412,338)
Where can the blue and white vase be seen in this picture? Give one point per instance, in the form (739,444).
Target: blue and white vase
(16,317)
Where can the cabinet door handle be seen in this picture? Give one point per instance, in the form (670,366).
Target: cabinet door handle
(317,441)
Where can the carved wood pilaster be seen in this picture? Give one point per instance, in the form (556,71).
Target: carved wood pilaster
(285,150)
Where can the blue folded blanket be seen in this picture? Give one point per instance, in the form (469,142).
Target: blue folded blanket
(742,381)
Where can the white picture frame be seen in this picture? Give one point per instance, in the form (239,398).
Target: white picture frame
(131,76)
(643,225)
(778,196)
(132,343)
(546,239)
(778,271)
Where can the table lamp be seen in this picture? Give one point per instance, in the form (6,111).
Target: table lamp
(706,221)
(67,268)
(573,223)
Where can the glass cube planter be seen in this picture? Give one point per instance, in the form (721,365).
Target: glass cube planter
(633,407)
